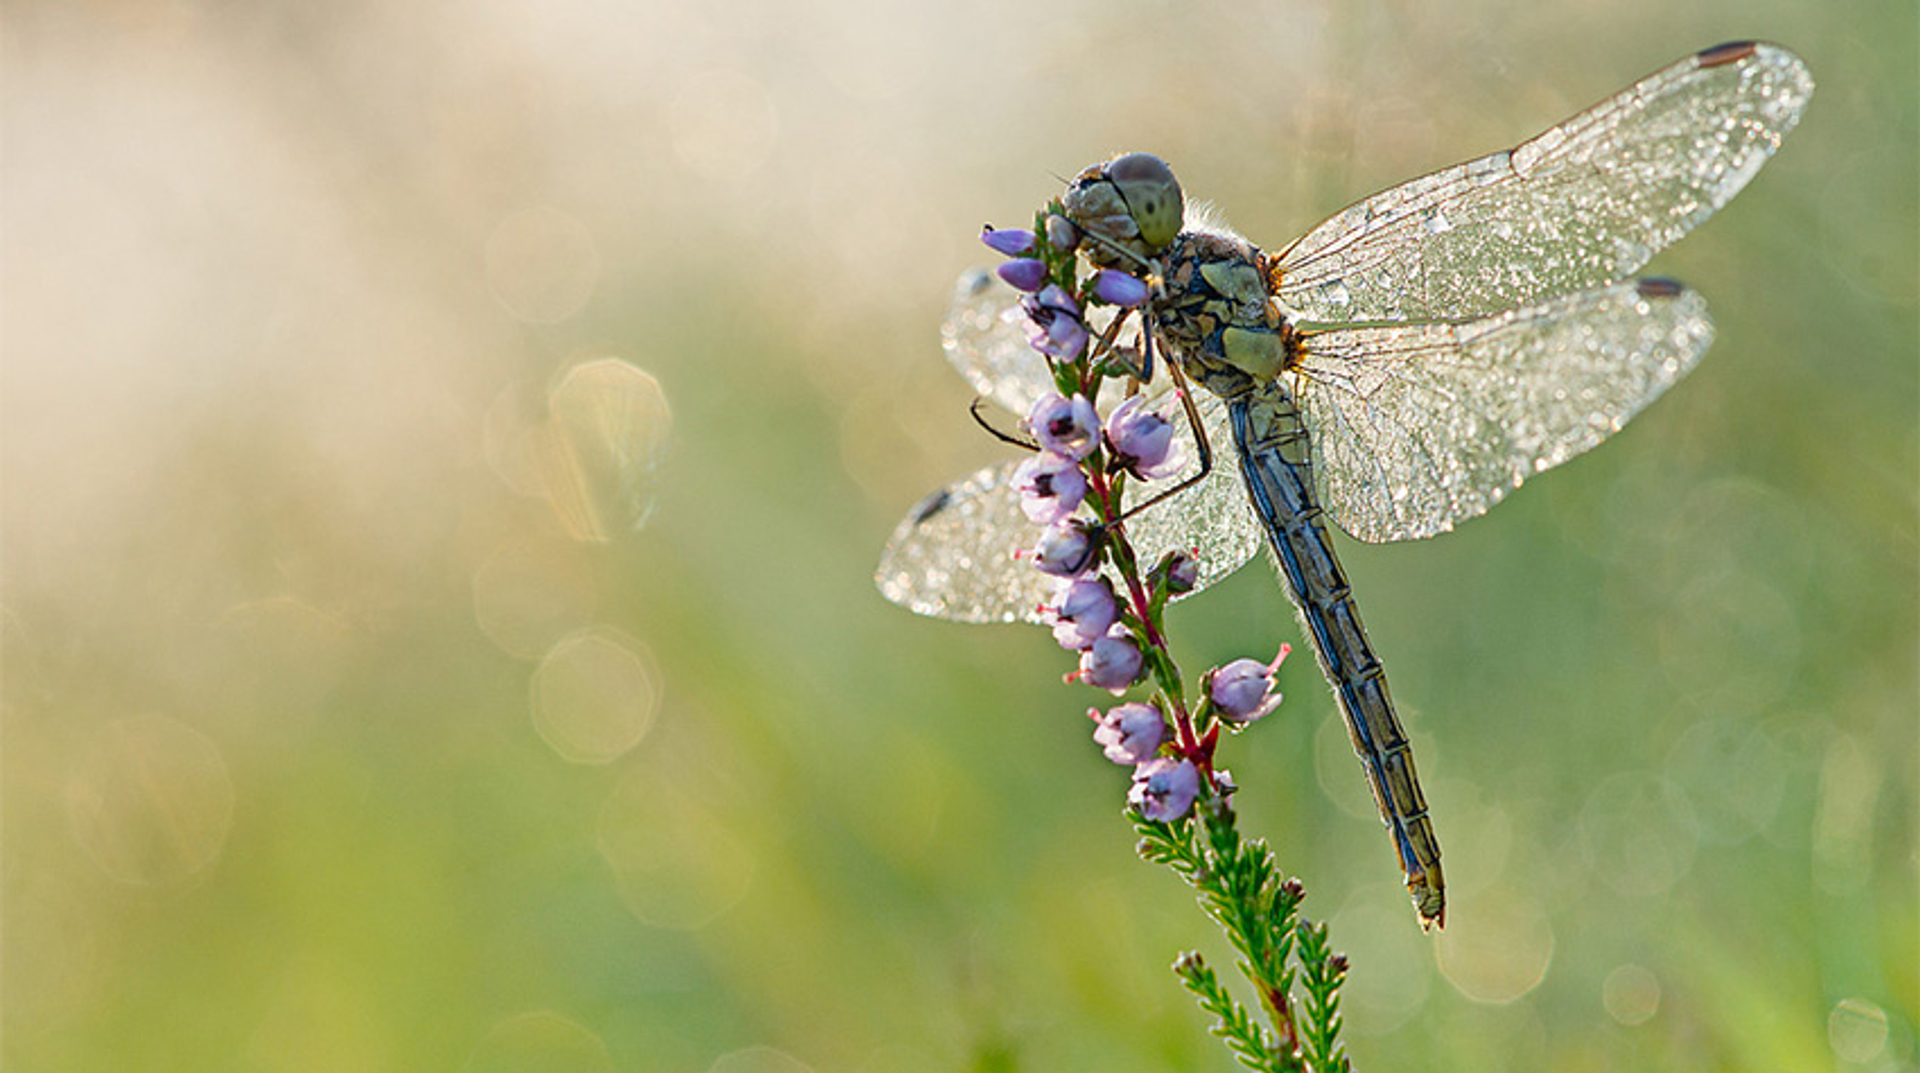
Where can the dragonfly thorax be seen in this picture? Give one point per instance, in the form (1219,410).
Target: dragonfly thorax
(1214,314)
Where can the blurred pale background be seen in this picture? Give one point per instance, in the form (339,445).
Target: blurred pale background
(354,721)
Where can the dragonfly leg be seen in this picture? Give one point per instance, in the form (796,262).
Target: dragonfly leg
(1185,391)
(1004,437)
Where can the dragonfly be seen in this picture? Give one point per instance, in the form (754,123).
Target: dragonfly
(1397,370)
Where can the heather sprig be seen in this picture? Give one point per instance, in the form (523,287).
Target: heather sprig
(1110,609)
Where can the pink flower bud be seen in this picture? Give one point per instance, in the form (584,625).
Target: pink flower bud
(1142,440)
(1023,274)
(1129,733)
(1067,427)
(1111,663)
(1164,788)
(1119,288)
(1051,487)
(1082,612)
(1242,691)
(1064,550)
(1012,241)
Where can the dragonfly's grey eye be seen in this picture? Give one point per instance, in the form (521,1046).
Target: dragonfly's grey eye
(1152,195)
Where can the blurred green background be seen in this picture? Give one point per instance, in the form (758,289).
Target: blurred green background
(351,724)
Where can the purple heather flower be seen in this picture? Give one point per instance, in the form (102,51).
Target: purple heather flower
(1051,487)
(1023,274)
(1183,571)
(1142,440)
(1119,288)
(1129,733)
(1058,330)
(1067,427)
(1082,612)
(1012,241)
(1064,550)
(1111,663)
(1061,234)
(1242,691)
(1164,788)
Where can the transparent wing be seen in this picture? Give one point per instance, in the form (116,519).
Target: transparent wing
(985,337)
(1417,428)
(952,556)
(1585,203)
(1213,517)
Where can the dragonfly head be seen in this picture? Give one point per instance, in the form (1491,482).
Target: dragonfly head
(1129,207)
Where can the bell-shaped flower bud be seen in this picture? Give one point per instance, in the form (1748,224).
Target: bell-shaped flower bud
(1129,733)
(1069,428)
(1051,487)
(1119,288)
(1082,612)
(1242,691)
(1023,274)
(1164,788)
(1142,440)
(1011,241)
(1111,663)
(1064,550)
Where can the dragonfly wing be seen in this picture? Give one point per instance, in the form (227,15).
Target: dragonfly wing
(1213,517)
(1587,202)
(1419,427)
(985,337)
(952,555)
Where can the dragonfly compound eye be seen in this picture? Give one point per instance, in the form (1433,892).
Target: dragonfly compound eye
(1152,195)
(1129,208)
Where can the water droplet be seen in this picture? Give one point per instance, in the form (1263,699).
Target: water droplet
(1334,292)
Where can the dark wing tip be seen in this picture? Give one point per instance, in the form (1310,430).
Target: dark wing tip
(933,504)
(1659,287)
(1730,52)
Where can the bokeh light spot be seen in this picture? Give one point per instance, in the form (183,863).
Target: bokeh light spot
(1639,833)
(1631,995)
(724,124)
(152,804)
(1370,932)
(541,264)
(677,864)
(610,423)
(1857,1030)
(1733,775)
(531,593)
(594,696)
(537,1042)
(1499,947)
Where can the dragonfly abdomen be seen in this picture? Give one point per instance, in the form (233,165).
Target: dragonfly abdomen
(1274,457)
